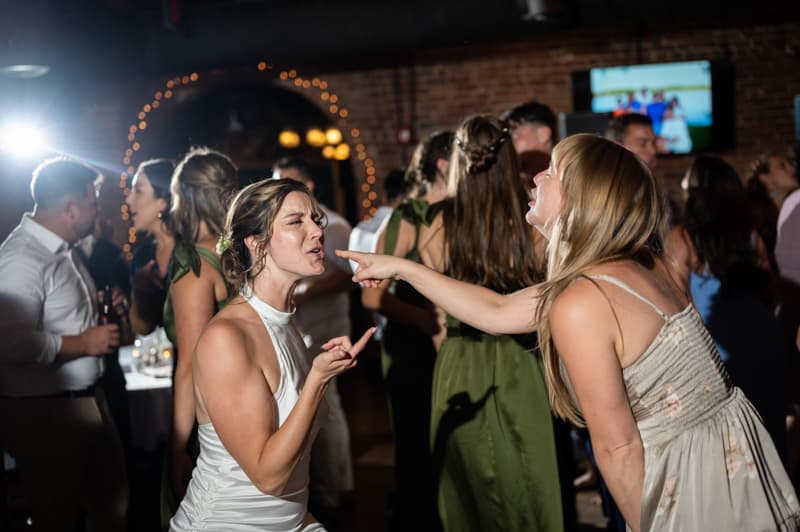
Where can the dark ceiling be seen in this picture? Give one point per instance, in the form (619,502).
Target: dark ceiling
(144,37)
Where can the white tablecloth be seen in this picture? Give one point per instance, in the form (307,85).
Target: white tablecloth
(150,400)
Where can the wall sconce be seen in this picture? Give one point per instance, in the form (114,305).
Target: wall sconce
(341,152)
(333,136)
(289,139)
(316,137)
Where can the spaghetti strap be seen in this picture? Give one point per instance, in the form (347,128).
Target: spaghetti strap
(634,293)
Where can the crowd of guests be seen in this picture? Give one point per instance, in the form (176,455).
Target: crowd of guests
(529,294)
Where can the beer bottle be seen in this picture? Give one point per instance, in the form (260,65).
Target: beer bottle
(107,314)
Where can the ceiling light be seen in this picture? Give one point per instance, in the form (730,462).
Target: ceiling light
(24,71)
(22,140)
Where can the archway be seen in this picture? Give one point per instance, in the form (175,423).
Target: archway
(240,111)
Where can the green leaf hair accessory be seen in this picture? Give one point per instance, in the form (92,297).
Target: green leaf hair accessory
(223,244)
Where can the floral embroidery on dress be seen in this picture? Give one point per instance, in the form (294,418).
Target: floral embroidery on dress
(671,402)
(668,496)
(677,333)
(737,453)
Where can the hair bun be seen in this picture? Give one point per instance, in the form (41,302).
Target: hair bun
(479,158)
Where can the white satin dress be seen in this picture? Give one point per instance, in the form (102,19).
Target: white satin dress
(220,496)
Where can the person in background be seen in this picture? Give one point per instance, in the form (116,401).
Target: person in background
(257,397)
(675,130)
(534,132)
(54,423)
(409,347)
(722,263)
(655,110)
(492,436)
(104,259)
(323,312)
(202,187)
(364,236)
(148,207)
(624,350)
(635,132)
(108,270)
(772,178)
(787,258)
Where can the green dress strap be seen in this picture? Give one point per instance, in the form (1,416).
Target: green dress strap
(186,258)
(417,213)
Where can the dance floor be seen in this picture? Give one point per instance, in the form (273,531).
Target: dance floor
(365,405)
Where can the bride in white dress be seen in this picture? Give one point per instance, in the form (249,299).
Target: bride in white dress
(256,397)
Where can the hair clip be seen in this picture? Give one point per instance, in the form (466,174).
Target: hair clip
(223,244)
(500,140)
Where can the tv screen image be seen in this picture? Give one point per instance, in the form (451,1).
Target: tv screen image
(676,96)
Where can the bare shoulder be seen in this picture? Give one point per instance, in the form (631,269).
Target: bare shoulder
(222,334)
(579,304)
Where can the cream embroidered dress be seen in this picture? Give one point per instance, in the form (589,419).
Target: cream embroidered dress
(709,463)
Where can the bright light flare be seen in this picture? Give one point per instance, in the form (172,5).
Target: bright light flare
(22,140)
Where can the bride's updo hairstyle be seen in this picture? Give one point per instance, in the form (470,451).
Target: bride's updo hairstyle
(611,209)
(252,213)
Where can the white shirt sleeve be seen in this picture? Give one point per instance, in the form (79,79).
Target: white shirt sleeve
(22,298)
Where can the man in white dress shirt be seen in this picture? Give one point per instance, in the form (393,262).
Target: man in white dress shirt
(51,419)
(323,312)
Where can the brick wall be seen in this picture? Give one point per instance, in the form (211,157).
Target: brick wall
(446,85)
(450,84)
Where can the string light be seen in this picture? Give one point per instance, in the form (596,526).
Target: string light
(330,140)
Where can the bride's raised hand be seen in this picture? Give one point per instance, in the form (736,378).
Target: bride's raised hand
(372,267)
(340,355)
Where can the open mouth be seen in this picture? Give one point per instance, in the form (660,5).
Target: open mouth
(319,252)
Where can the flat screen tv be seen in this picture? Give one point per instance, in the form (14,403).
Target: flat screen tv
(689,102)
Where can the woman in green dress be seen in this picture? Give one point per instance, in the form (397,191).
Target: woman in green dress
(203,185)
(491,428)
(408,340)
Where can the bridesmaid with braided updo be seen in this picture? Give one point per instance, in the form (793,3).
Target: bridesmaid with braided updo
(491,429)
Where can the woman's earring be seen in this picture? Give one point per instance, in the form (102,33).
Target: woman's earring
(160,214)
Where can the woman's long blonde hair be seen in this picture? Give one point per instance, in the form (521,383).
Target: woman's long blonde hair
(611,209)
